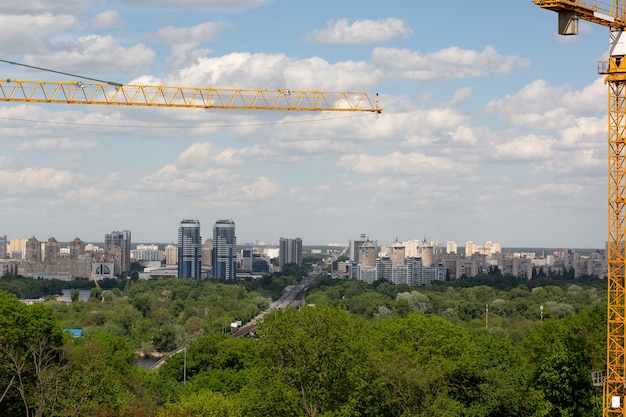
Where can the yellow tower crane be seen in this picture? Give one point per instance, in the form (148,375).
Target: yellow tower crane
(610,13)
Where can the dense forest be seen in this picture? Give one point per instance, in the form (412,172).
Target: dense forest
(488,346)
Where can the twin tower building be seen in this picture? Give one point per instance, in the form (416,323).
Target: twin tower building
(223,254)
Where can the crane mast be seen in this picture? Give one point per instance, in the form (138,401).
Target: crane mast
(611,14)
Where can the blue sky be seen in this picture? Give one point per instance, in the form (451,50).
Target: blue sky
(494,127)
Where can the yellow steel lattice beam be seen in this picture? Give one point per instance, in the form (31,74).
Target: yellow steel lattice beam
(610,13)
(29,91)
(616,310)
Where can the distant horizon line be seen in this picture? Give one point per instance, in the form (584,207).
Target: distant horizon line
(336,245)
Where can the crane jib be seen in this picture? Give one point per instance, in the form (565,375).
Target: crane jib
(28,91)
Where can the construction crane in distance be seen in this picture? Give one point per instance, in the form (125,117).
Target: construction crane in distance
(78,92)
(611,14)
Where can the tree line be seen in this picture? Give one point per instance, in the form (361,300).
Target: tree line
(357,350)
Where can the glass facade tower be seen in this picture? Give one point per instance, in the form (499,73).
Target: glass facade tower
(224,250)
(189,249)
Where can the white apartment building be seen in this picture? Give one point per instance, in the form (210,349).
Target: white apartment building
(451,247)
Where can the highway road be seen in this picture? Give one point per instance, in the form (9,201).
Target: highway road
(292,297)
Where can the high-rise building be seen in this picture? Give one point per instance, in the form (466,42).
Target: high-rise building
(3,246)
(33,250)
(451,246)
(77,248)
(147,253)
(207,250)
(354,248)
(470,248)
(397,253)
(52,251)
(117,251)
(368,252)
(224,250)
(189,249)
(290,251)
(171,255)
(18,248)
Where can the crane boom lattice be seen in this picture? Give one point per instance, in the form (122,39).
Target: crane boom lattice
(70,92)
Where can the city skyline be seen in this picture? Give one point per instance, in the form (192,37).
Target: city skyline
(351,245)
(482,136)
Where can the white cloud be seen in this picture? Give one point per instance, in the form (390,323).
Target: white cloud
(362,31)
(544,106)
(57,144)
(315,146)
(261,189)
(206,153)
(171,179)
(29,179)
(586,131)
(276,71)
(448,63)
(586,162)
(184,41)
(96,54)
(203,32)
(553,193)
(32,32)
(468,135)
(396,163)
(107,19)
(461,96)
(528,147)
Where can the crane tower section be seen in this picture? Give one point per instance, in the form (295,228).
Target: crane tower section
(610,14)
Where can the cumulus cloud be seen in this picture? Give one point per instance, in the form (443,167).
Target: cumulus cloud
(545,106)
(362,31)
(184,41)
(448,63)
(32,32)
(396,163)
(35,178)
(276,71)
(94,53)
(261,189)
(206,153)
(171,178)
(528,147)
(585,162)
(107,19)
